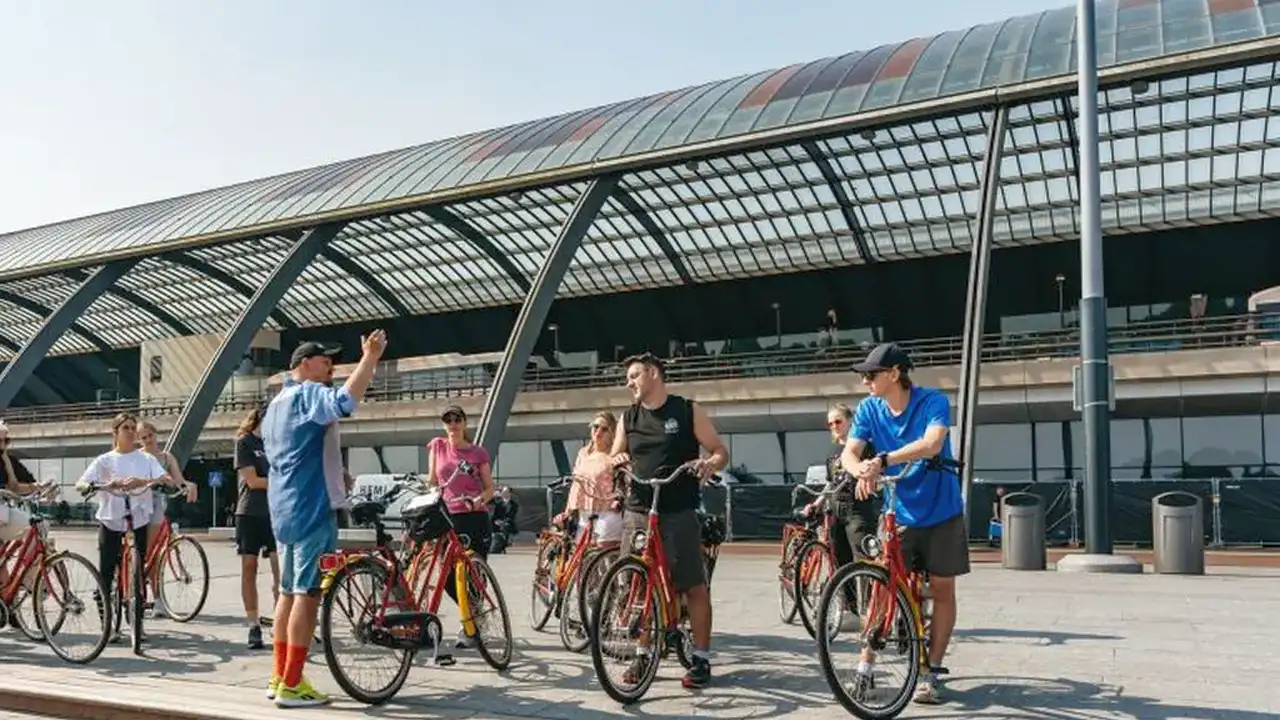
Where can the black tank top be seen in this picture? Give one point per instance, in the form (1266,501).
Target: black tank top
(658,441)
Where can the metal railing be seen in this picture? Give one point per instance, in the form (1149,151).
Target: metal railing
(1143,337)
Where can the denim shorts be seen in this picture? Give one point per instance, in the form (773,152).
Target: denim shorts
(300,561)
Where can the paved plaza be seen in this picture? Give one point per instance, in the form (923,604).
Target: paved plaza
(1029,645)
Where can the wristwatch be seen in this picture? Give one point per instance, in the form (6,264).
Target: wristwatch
(884,460)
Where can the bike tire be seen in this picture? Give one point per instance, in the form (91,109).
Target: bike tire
(591,568)
(787,605)
(571,607)
(540,608)
(376,696)
(872,574)
(627,564)
(50,633)
(138,606)
(202,564)
(497,661)
(807,613)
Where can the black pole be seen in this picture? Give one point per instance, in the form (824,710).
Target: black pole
(1094,375)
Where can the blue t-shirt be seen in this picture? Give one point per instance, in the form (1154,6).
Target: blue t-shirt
(925,496)
(293,431)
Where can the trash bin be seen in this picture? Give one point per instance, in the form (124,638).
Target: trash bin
(1022,546)
(1177,533)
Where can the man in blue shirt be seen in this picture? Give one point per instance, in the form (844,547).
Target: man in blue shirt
(302,518)
(908,423)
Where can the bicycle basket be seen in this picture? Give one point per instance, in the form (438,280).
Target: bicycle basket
(367,512)
(425,517)
(713,529)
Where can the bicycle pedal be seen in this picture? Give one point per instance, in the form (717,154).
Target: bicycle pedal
(940,670)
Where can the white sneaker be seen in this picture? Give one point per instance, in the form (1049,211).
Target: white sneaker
(463,642)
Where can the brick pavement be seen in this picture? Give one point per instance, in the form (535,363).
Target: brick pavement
(1028,645)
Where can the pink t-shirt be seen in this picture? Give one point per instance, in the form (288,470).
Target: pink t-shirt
(444,458)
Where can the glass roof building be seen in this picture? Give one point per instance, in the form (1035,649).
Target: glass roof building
(866,158)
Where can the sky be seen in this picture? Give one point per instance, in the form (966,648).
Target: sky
(105,105)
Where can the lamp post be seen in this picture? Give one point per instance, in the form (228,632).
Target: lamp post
(777,322)
(1062,310)
(555,340)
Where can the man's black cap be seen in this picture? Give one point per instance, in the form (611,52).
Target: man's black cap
(884,357)
(313,349)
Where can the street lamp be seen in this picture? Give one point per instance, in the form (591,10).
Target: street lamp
(777,322)
(555,339)
(1062,313)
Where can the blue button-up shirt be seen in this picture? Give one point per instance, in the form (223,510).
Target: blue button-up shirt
(293,431)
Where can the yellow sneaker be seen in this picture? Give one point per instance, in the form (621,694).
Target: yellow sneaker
(301,696)
(273,687)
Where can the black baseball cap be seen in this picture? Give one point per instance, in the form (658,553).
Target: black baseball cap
(309,350)
(884,357)
(451,411)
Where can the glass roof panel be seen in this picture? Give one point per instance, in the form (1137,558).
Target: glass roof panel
(1022,48)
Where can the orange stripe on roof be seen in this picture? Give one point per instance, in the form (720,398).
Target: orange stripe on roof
(902,60)
(1222,7)
(765,91)
(589,128)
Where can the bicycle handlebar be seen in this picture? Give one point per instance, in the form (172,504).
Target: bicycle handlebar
(43,492)
(659,482)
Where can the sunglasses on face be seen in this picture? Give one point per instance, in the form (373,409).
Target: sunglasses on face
(870,376)
(598,426)
(451,419)
(835,423)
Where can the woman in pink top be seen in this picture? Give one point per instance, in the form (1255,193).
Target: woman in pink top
(460,469)
(592,492)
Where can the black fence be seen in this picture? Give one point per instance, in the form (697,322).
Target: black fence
(1236,511)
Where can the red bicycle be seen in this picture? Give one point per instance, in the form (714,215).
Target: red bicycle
(891,611)
(64,588)
(639,607)
(815,561)
(389,601)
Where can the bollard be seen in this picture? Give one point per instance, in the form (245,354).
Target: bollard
(1023,546)
(1177,533)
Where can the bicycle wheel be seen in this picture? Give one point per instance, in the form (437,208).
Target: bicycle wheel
(812,572)
(71,587)
(487,606)
(860,595)
(542,597)
(138,591)
(787,580)
(573,633)
(625,611)
(185,564)
(354,600)
(594,569)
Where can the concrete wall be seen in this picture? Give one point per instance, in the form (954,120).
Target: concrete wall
(1152,384)
(183,361)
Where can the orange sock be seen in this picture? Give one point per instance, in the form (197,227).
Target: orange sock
(280,656)
(297,657)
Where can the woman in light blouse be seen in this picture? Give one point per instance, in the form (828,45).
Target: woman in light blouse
(592,492)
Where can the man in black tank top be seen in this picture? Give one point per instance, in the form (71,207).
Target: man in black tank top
(659,432)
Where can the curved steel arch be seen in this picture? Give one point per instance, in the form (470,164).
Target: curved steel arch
(43,311)
(660,238)
(140,302)
(353,268)
(196,264)
(842,198)
(466,231)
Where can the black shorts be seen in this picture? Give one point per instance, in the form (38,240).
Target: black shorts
(941,550)
(681,538)
(254,536)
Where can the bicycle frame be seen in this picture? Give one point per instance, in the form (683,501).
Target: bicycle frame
(891,559)
(653,554)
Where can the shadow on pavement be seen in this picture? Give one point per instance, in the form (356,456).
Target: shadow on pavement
(167,653)
(1065,699)
(983,635)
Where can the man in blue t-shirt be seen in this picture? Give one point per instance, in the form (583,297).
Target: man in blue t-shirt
(302,519)
(907,423)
